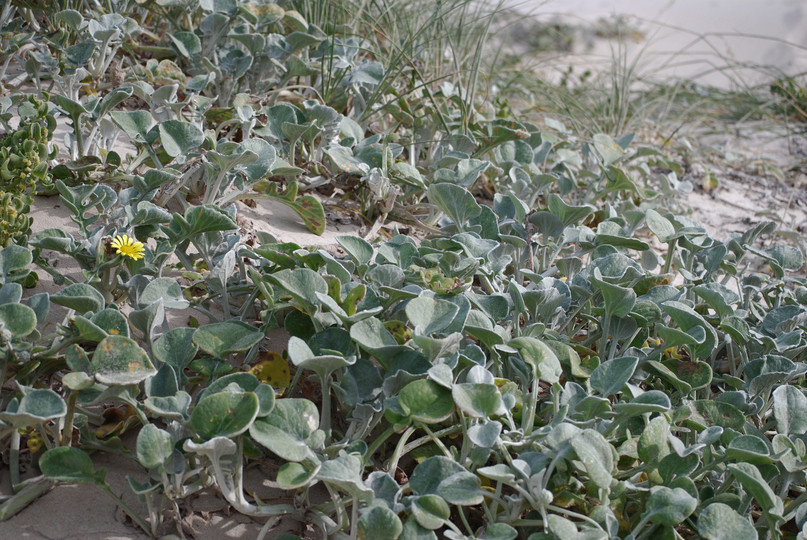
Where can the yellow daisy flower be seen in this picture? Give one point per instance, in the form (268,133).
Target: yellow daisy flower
(128,247)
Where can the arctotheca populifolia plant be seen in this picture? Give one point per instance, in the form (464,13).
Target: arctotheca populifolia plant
(560,353)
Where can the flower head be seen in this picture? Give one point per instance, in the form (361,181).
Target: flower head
(128,247)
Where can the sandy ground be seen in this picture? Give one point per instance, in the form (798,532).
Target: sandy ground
(84,512)
(725,43)
(760,176)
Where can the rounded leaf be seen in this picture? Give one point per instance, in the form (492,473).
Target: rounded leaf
(430,315)
(462,488)
(226,414)
(428,475)
(37,405)
(485,435)
(619,301)
(479,400)
(294,475)
(344,472)
(175,348)
(430,511)
(500,531)
(653,444)
(650,401)
(380,523)
(119,360)
(14,259)
(719,521)
(455,201)
(538,354)
(610,377)
(670,506)
(67,464)
(286,430)
(18,319)
(301,283)
(426,401)
(751,479)
(660,225)
(224,338)
(112,322)
(749,449)
(136,124)
(77,380)
(179,137)
(266,158)
(597,456)
(80,297)
(172,408)
(707,412)
(154,446)
(166,288)
(356,248)
(789,409)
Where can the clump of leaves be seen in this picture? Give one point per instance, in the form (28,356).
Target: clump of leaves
(571,360)
(24,168)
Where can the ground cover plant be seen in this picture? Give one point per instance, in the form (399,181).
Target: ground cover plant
(556,355)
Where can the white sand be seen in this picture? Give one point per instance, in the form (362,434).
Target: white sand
(697,38)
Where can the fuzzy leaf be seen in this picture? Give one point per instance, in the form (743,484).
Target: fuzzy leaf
(597,456)
(67,464)
(154,446)
(224,338)
(80,297)
(669,506)
(790,410)
(119,360)
(610,377)
(719,521)
(179,138)
(287,429)
(456,202)
(226,414)
(18,319)
(380,523)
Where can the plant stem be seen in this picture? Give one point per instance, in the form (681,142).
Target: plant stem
(423,440)
(14,459)
(669,257)
(67,433)
(126,508)
(28,494)
(575,515)
(399,449)
(354,518)
(325,416)
(606,328)
(793,505)
(153,155)
(4,367)
(376,444)
(436,440)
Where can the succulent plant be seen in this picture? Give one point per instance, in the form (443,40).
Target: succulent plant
(24,168)
(14,220)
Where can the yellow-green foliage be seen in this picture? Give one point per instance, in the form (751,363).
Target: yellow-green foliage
(24,155)
(14,220)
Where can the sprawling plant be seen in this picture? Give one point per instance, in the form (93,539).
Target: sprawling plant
(560,354)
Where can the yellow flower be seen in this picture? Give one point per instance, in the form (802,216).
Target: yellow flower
(128,247)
